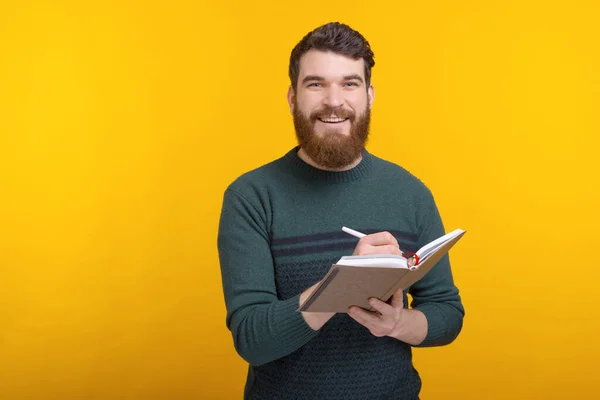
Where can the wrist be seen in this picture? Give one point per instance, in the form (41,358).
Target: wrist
(315,320)
(412,327)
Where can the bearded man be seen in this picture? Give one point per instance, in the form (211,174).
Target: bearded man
(280,231)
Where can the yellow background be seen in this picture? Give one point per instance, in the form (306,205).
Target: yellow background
(121,123)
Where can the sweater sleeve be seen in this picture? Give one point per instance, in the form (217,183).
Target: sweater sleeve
(264,328)
(436,295)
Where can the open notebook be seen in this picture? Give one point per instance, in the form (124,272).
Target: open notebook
(354,279)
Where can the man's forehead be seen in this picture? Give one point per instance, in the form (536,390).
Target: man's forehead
(329,65)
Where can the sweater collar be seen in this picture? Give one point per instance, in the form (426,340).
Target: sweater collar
(306,170)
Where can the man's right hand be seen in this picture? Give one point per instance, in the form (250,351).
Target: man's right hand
(377,243)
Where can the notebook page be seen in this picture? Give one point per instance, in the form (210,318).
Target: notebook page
(430,248)
(375,260)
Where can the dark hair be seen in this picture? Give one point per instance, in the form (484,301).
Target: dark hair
(338,38)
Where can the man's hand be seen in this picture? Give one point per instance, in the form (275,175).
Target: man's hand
(377,243)
(392,320)
(386,319)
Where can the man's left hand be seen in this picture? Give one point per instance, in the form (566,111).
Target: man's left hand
(386,320)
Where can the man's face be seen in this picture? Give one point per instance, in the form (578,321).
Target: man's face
(331,108)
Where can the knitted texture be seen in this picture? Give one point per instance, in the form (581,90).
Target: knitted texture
(279,233)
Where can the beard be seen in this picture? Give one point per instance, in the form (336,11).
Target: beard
(331,148)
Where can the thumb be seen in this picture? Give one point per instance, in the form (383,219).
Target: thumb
(398,299)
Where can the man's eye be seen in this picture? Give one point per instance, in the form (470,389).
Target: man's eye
(351,84)
(314,84)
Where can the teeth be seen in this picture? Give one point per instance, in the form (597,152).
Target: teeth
(333,119)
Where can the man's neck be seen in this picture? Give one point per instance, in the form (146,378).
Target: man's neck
(305,157)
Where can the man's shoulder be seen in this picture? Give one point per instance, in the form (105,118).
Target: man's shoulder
(257,177)
(400,175)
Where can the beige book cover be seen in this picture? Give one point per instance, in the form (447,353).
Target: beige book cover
(347,285)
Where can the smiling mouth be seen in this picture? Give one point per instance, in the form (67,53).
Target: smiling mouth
(332,120)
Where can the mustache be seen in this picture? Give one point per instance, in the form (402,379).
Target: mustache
(327,112)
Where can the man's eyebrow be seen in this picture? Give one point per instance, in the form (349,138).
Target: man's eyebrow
(353,77)
(308,78)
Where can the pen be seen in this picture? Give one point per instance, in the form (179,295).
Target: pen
(353,232)
(412,261)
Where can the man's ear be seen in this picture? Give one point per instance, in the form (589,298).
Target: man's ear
(371,95)
(291,97)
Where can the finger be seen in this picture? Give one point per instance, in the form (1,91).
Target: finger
(363,317)
(383,308)
(379,239)
(383,249)
(398,299)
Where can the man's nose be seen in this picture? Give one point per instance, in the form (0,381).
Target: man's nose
(333,98)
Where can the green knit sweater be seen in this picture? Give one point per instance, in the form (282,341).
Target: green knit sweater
(279,232)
